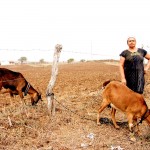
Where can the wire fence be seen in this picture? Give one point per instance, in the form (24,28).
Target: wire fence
(35,55)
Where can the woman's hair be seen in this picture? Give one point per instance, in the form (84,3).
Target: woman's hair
(129,38)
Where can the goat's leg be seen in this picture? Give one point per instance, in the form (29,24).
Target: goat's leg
(7,91)
(113,111)
(138,130)
(102,107)
(11,94)
(4,91)
(130,121)
(131,126)
(21,97)
(137,126)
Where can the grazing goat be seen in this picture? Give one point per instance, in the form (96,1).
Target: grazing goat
(120,97)
(16,84)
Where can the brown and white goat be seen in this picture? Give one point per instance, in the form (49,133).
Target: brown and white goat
(119,96)
(16,84)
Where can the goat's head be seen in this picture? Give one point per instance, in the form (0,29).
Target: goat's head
(36,98)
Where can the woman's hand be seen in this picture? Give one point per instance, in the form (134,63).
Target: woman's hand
(145,70)
(124,81)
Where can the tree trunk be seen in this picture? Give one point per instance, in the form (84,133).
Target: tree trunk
(49,93)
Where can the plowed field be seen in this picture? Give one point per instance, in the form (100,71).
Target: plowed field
(78,96)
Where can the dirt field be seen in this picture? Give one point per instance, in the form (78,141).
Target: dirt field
(78,97)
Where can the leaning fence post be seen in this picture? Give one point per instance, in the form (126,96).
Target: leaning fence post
(54,73)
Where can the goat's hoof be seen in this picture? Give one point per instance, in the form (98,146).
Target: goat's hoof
(133,139)
(98,123)
(117,127)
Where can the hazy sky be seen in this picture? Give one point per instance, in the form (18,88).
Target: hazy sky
(87,29)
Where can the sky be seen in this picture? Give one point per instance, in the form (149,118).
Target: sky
(87,29)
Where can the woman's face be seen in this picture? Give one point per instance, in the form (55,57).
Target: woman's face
(131,42)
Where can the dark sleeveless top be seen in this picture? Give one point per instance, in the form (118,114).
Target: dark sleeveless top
(134,69)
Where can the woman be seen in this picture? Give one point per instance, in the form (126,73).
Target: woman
(132,67)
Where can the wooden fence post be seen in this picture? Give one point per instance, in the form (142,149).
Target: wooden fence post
(54,73)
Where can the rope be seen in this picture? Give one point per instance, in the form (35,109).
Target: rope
(82,117)
(27,89)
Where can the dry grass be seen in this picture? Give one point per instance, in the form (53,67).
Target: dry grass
(78,96)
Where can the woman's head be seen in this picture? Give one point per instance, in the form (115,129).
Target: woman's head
(131,41)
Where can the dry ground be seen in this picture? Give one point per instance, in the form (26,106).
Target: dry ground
(78,95)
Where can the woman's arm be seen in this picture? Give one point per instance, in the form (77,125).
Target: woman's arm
(121,68)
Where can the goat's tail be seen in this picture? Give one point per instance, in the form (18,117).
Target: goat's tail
(105,83)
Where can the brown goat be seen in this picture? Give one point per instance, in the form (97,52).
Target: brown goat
(120,97)
(16,84)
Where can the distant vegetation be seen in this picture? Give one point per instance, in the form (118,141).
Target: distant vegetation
(41,61)
(70,60)
(82,60)
(22,59)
